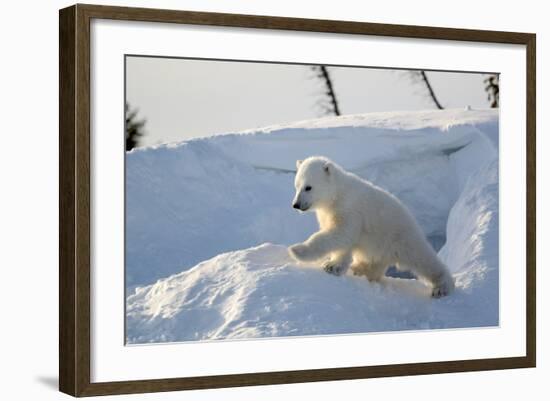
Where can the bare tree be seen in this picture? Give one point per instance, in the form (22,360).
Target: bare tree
(134,128)
(492,87)
(329,104)
(421,77)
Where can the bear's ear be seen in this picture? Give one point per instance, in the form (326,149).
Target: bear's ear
(327,167)
(298,162)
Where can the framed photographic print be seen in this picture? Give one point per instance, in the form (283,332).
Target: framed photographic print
(250,200)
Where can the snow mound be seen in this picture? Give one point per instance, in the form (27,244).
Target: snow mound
(259,292)
(196,212)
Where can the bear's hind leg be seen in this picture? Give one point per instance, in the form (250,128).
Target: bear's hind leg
(442,285)
(338,264)
(430,269)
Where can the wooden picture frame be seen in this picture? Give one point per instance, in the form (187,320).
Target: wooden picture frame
(75,206)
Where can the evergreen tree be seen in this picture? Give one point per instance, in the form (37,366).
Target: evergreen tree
(492,87)
(329,104)
(134,128)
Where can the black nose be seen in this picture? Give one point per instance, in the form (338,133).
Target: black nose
(296,205)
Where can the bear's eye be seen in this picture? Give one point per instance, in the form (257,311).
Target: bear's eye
(308,188)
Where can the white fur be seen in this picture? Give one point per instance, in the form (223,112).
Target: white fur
(362,227)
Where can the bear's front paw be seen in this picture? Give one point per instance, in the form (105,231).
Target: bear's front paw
(299,252)
(336,269)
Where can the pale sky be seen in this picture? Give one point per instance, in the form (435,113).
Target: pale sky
(183,99)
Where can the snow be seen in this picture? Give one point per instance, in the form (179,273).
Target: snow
(208,222)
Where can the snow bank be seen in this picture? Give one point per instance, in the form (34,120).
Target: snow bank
(192,206)
(259,292)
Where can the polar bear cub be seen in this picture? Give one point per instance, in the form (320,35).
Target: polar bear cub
(361,227)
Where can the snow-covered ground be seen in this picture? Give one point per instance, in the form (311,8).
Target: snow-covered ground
(208,222)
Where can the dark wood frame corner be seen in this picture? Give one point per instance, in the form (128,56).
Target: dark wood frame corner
(74,199)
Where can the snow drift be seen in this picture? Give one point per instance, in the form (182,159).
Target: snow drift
(208,222)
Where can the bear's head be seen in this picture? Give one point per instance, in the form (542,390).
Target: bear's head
(314,183)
